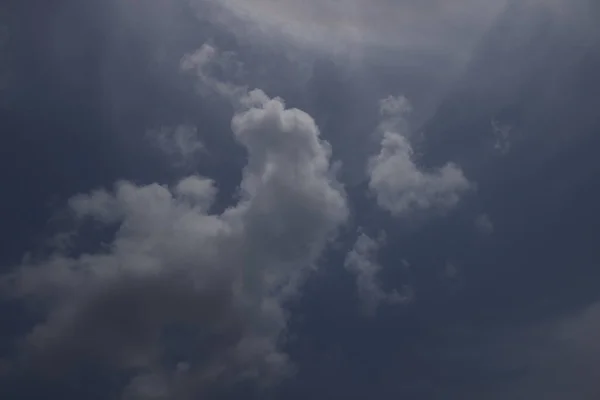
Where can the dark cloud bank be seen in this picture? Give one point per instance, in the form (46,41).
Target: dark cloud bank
(207,202)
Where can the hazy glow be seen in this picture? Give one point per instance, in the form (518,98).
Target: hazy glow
(399,23)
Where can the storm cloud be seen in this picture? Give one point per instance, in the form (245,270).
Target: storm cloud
(405,207)
(171,262)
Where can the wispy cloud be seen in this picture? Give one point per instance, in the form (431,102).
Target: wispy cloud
(484,224)
(182,143)
(401,24)
(362,261)
(398,183)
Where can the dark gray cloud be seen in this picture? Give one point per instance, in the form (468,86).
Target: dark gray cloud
(484,224)
(190,275)
(551,358)
(172,262)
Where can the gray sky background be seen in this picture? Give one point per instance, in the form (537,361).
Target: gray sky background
(288,200)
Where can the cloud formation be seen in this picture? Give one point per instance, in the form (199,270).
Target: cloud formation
(399,184)
(404,24)
(501,134)
(208,62)
(484,224)
(362,261)
(182,143)
(557,358)
(172,266)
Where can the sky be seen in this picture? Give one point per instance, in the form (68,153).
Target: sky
(272,199)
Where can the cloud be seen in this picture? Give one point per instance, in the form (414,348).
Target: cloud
(399,184)
(452,278)
(558,358)
(484,224)
(401,24)
(207,63)
(501,134)
(171,265)
(362,261)
(182,143)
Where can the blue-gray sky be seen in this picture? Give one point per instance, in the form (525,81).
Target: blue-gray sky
(215,199)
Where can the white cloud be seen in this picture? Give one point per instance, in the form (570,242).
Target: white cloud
(198,191)
(398,183)
(171,261)
(362,261)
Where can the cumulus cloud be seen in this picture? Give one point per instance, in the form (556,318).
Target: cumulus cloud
(172,266)
(398,183)
(362,261)
(392,113)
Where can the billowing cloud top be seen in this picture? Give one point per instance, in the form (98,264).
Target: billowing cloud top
(171,262)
